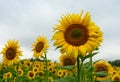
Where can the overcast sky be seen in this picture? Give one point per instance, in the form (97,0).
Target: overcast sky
(24,20)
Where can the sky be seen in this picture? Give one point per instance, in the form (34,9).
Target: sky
(24,20)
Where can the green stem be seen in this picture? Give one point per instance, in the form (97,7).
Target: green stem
(46,67)
(81,78)
(92,71)
(78,69)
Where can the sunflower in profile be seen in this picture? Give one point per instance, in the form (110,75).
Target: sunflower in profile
(11,52)
(77,34)
(40,46)
(67,60)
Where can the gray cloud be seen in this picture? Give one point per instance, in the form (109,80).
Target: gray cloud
(24,20)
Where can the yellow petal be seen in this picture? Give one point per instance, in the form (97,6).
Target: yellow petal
(70,49)
(82,50)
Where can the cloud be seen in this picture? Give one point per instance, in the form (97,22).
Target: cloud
(25,20)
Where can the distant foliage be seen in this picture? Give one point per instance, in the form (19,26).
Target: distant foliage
(115,63)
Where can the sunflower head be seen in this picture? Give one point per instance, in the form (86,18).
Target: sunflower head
(11,52)
(60,73)
(35,69)
(67,60)
(31,75)
(20,72)
(77,34)
(9,74)
(40,46)
(116,77)
(40,73)
(103,65)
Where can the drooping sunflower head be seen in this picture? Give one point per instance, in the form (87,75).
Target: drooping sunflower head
(67,60)
(11,52)
(40,46)
(77,34)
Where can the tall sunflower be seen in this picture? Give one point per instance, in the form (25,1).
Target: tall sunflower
(67,60)
(77,34)
(11,52)
(40,46)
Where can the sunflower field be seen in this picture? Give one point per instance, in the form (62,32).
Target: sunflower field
(78,38)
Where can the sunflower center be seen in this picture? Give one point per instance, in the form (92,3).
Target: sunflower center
(116,78)
(68,62)
(31,74)
(40,73)
(39,47)
(8,75)
(20,72)
(102,69)
(76,34)
(35,70)
(10,53)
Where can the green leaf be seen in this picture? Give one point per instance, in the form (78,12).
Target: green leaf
(96,48)
(91,55)
(66,67)
(81,57)
(108,81)
(90,69)
(58,47)
(67,79)
(101,73)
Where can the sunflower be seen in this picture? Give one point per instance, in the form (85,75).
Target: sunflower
(116,77)
(35,69)
(60,73)
(9,74)
(66,60)
(103,65)
(50,68)
(40,73)
(65,73)
(50,79)
(20,72)
(31,75)
(5,75)
(40,46)
(77,34)
(11,52)
(14,79)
